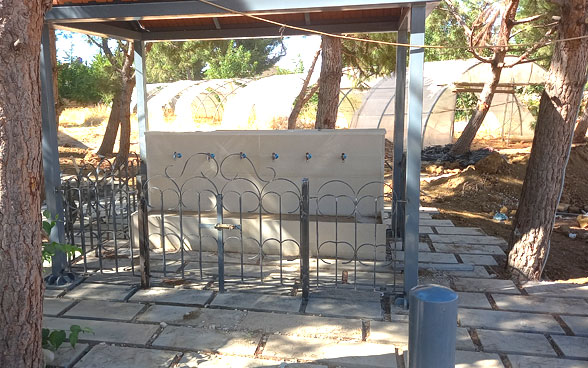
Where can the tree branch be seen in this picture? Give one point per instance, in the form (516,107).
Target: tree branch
(527,20)
(544,40)
(454,11)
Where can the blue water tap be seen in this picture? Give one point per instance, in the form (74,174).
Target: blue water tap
(275,156)
(243,155)
(176,155)
(343,156)
(308,156)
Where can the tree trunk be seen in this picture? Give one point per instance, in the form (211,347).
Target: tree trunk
(330,84)
(464,142)
(558,110)
(21,282)
(107,145)
(301,99)
(582,127)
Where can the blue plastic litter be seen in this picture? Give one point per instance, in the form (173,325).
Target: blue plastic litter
(500,216)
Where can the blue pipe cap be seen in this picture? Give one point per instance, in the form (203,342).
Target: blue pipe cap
(308,156)
(433,294)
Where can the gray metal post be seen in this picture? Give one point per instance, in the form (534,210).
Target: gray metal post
(220,242)
(51,171)
(399,183)
(142,113)
(144,244)
(432,327)
(413,148)
(305,239)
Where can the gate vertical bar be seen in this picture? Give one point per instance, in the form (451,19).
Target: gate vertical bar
(142,113)
(144,244)
(51,170)
(220,242)
(399,174)
(305,239)
(413,153)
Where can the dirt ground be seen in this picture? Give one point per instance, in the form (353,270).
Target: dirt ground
(471,196)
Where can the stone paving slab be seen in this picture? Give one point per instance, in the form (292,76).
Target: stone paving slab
(99,309)
(447,230)
(572,346)
(345,292)
(485,285)
(116,332)
(53,293)
(345,353)
(258,301)
(564,290)
(191,360)
(436,223)
(478,259)
(500,320)
(471,359)
(525,361)
(467,239)
(579,325)
(426,230)
(193,316)
(345,308)
(53,306)
(171,266)
(477,272)
(541,304)
(469,249)
(201,339)
(172,296)
(117,293)
(515,342)
(103,355)
(123,278)
(437,258)
(388,333)
(473,300)
(301,325)
(66,355)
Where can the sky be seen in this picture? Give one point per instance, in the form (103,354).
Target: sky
(297,47)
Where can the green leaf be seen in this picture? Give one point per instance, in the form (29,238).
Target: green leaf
(56,338)
(47,227)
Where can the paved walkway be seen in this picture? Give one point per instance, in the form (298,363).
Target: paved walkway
(500,324)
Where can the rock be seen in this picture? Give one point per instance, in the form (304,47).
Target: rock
(49,356)
(503,209)
(563,207)
(490,164)
(574,209)
(513,212)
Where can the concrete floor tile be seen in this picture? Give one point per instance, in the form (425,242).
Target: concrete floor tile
(201,339)
(193,316)
(541,304)
(90,291)
(66,354)
(200,360)
(485,285)
(500,320)
(105,310)
(459,231)
(515,342)
(525,361)
(469,249)
(479,259)
(395,333)
(301,325)
(343,353)
(467,239)
(562,290)
(345,308)
(436,223)
(572,346)
(578,324)
(53,306)
(433,257)
(53,293)
(473,300)
(115,332)
(257,301)
(172,296)
(103,355)
(472,359)
(425,230)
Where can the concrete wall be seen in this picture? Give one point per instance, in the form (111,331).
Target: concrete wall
(328,232)
(364,163)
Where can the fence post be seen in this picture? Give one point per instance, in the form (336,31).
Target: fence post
(305,239)
(220,242)
(144,243)
(432,327)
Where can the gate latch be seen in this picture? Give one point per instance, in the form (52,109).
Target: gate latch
(226,226)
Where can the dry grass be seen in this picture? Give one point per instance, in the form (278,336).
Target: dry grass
(84,116)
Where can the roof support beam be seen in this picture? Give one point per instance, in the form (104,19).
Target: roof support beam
(265,32)
(142,112)
(195,8)
(101,30)
(414,147)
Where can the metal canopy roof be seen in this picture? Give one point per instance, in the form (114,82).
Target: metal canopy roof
(160,20)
